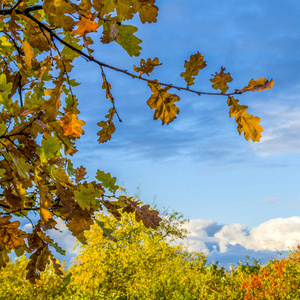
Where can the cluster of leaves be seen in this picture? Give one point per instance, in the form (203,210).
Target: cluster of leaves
(152,264)
(40,124)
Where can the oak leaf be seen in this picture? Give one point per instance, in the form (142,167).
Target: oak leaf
(86,197)
(45,205)
(146,67)
(110,32)
(107,181)
(163,103)
(80,174)
(150,218)
(85,25)
(56,266)
(4,258)
(81,221)
(29,55)
(37,37)
(106,232)
(38,261)
(192,68)
(10,234)
(71,126)
(50,148)
(56,10)
(220,80)
(147,10)
(108,128)
(258,85)
(246,122)
(127,40)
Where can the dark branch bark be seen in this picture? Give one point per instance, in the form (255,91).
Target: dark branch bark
(5,12)
(101,64)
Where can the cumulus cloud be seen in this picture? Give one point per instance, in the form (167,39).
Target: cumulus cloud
(279,234)
(63,236)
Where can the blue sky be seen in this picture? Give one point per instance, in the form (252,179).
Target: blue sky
(242,197)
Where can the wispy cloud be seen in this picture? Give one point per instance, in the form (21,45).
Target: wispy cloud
(282,128)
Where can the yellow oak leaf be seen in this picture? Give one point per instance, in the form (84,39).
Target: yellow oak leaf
(147,66)
(246,122)
(81,221)
(85,26)
(258,85)
(29,55)
(192,68)
(220,80)
(163,103)
(71,126)
(52,105)
(56,10)
(45,204)
(147,11)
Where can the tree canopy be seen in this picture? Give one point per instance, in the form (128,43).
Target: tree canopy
(40,123)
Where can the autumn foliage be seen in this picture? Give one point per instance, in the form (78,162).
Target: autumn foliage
(152,264)
(40,120)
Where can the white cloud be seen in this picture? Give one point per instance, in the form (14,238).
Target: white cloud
(282,129)
(63,236)
(279,234)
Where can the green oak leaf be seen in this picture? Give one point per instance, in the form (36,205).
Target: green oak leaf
(107,232)
(2,129)
(107,181)
(22,167)
(86,197)
(58,249)
(50,149)
(128,40)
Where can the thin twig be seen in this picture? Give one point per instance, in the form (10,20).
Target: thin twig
(109,92)
(92,59)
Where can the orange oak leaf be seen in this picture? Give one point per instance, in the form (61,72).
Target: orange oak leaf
(163,103)
(71,126)
(220,80)
(246,122)
(85,26)
(258,85)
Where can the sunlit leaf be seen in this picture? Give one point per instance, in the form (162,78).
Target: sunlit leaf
(220,80)
(107,181)
(258,85)
(246,123)
(192,68)
(163,103)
